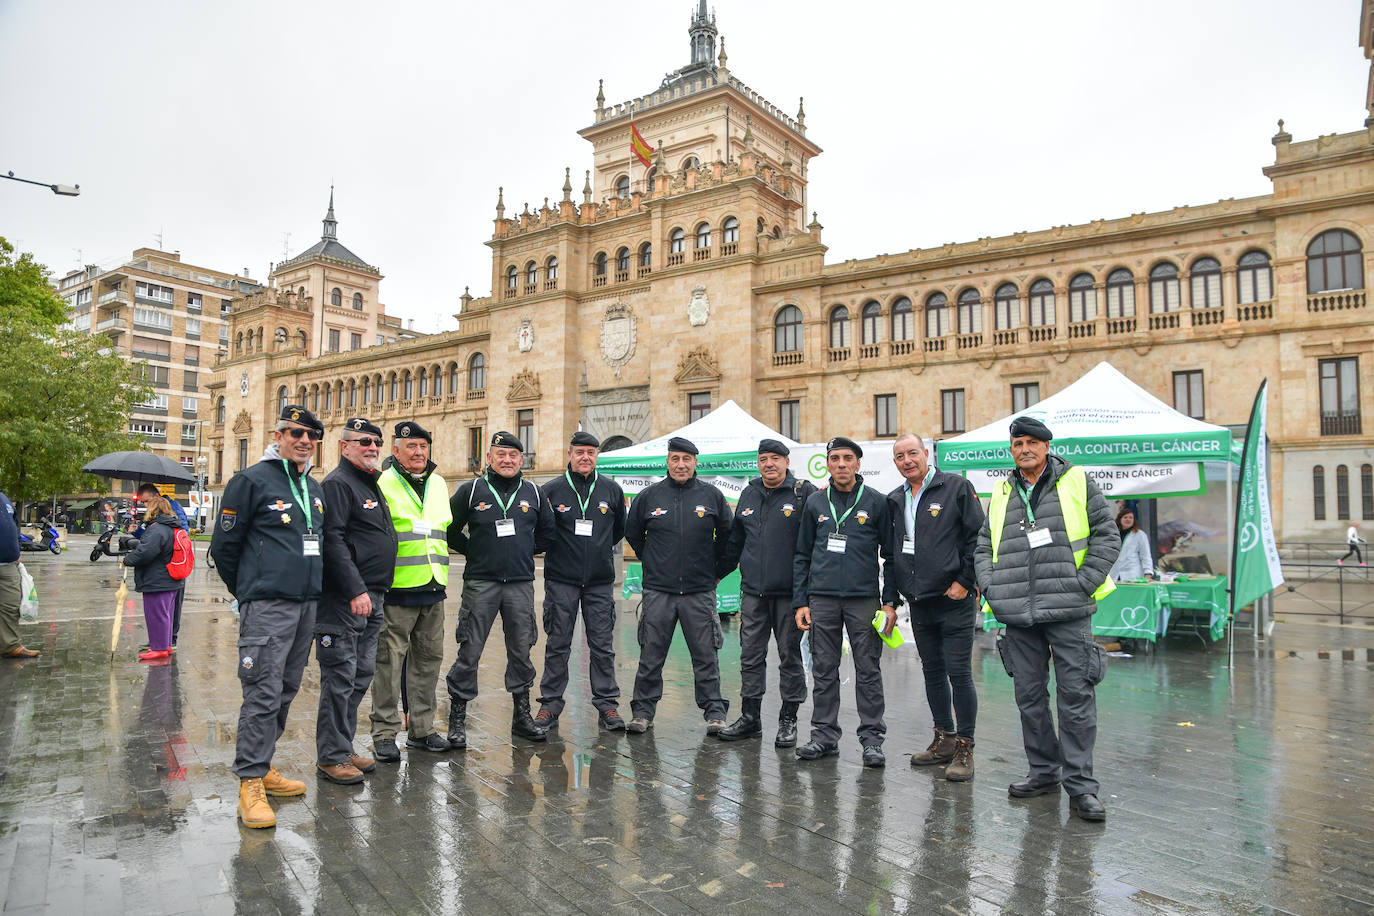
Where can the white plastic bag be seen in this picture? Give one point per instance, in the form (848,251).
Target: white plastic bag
(28,607)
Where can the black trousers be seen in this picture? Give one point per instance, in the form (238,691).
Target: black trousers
(944,631)
(762,618)
(561,605)
(831,618)
(661,613)
(347,654)
(482,601)
(1354,548)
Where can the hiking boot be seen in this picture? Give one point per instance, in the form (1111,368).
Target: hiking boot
(522,725)
(345,774)
(386,750)
(714,726)
(458,724)
(639,725)
(748,725)
(874,756)
(546,719)
(278,786)
(610,720)
(364,764)
(254,810)
(787,726)
(941,750)
(960,769)
(434,742)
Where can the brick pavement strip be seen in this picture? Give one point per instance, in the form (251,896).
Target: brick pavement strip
(1227,793)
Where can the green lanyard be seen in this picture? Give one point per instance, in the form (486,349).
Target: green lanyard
(1030,513)
(584,503)
(410,491)
(839,519)
(505,506)
(305,504)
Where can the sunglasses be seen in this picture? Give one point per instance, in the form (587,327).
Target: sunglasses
(367,441)
(295,432)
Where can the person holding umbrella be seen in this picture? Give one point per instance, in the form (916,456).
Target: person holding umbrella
(161,593)
(267,549)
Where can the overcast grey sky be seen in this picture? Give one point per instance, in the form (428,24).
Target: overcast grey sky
(222,125)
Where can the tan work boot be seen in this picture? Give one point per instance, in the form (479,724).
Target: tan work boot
(254,810)
(960,769)
(364,764)
(278,786)
(941,750)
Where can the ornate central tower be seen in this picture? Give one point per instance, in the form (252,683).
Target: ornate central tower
(703,37)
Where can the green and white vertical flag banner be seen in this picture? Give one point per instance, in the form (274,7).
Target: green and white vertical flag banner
(1255,567)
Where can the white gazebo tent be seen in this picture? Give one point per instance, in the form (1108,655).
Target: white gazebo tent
(727,437)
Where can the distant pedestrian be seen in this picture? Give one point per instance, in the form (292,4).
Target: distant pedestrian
(11,585)
(1353,540)
(160,591)
(267,549)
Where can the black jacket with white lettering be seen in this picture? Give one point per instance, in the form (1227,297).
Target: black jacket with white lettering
(578,560)
(476,510)
(763,536)
(947,520)
(359,540)
(679,531)
(816,570)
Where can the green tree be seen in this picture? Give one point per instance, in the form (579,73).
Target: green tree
(65,396)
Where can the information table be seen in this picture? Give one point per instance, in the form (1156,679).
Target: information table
(1145,610)
(1200,593)
(727,590)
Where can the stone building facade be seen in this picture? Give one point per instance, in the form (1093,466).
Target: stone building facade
(669,289)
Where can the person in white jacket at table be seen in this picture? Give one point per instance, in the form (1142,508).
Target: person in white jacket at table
(1135,560)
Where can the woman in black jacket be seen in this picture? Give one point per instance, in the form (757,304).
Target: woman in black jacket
(149,561)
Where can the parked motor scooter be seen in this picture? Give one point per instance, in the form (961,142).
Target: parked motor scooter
(49,539)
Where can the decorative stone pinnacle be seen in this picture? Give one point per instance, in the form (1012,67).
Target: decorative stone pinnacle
(587,189)
(1282,136)
(786,155)
(801,111)
(723,58)
(658,158)
(500,202)
(567,184)
(748,131)
(600,94)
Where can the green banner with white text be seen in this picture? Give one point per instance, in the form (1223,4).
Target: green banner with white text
(1255,569)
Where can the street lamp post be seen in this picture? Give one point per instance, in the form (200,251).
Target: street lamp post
(62,190)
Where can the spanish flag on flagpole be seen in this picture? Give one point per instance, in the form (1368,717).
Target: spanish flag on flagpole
(642,151)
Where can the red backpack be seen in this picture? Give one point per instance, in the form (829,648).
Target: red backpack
(183,555)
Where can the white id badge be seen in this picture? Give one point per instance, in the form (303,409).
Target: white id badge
(835,543)
(422,532)
(311,545)
(908,545)
(582,527)
(505,527)
(1038,537)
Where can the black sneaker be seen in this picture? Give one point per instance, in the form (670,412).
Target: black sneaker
(814,750)
(433,742)
(610,720)
(386,750)
(874,756)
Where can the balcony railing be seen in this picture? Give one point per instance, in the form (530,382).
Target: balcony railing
(644,272)
(621,276)
(1202,317)
(1336,301)
(1255,311)
(476,394)
(1124,325)
(729,248)
(1164,321)
(903,347)
(599,280)
(676,258)
(550,285)
(1341,424)
(870,351)
(114,295)
(701,254)
(531,289)
(969,341)
(1004,338)
(933,344)
(837,354)
(527,463)
(115,322)
(510,292)
(789,358)
(1079,329)
(1043,333)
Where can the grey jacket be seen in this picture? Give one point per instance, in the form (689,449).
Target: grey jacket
(1041,585)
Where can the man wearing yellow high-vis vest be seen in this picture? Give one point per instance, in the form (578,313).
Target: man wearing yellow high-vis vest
(414,627)
(1042,561)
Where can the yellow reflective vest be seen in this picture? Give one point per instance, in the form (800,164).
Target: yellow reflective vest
(421,529)
(1072,489)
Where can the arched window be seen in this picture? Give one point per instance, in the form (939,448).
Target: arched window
(452,378)
(314,397)
(1082,298)
(870,322)
(1254,278)
(646,255)
(301,292)
(762,226)
(395,385)
(650,178)
(250,340)
(704,235)
(599,264)
(1006,308)
(777,233)
(219,410)
(477,372)
(1319,493)
(407,386)
(352,393)
(622,261)
(1333,262)
(380,389)
(551,268)
(300,339)
(1164,288)
(1205,280)
(328,403)
(1120,293)
(787,330)
(1366,492)
(1342,492)
(903,323)
(424,384)
(336,296)
(691,163)
(937,315)
(622,187)
(970,312)
(512,277)
(531,273)
(1041,303)
(238,343)
(357,302)
(839,326)
(729,230)
(677,240)
(366,389)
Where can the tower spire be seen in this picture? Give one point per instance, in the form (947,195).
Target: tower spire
(703,38)
(331,225)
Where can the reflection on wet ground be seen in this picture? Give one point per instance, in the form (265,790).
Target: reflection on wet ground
(1227,793)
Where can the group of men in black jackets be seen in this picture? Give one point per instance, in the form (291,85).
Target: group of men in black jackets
(361,562)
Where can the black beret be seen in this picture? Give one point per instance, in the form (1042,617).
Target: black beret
(296,413)
(679,444)
(585,438)
(409,429)
(774,447)
(843,442)
(362,425)
(1029,426)
(504,439)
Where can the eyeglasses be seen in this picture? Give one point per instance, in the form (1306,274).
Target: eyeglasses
(367,441)
(295,432)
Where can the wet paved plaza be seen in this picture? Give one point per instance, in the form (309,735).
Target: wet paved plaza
(1244,793)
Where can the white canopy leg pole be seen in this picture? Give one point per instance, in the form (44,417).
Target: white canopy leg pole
(1230,585)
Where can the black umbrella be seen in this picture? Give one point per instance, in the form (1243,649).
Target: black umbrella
(144,467)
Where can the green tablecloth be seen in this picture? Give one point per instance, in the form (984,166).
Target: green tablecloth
(1201,594)
(727,590)
(1144,610)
